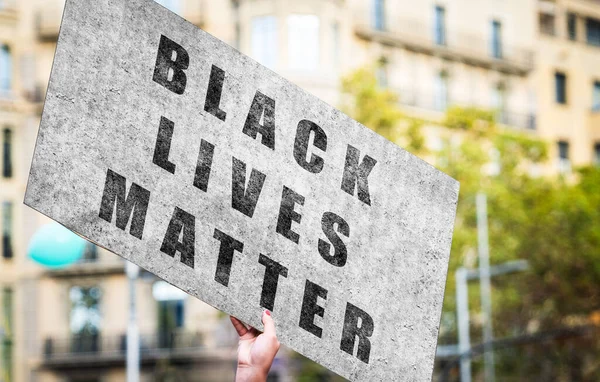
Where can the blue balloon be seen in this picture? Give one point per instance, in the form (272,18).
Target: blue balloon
(55,246)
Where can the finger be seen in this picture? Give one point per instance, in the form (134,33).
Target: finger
(239,326)
(253,332)
(268,323)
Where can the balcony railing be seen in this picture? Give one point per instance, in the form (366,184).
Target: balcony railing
(91,264)
(8,8)
(455,44)
(97,349)
(437,103)
(521,120)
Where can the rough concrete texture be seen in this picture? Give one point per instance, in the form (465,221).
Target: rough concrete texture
(371,315)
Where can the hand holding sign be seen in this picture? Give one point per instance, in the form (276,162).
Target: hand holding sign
(256,350)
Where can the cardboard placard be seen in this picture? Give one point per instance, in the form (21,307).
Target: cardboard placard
(177,152)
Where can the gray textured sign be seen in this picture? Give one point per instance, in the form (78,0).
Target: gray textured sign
(177,152)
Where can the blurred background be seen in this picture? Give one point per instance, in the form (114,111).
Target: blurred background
(504,95)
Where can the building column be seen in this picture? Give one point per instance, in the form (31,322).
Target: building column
(580,28)
(560,20)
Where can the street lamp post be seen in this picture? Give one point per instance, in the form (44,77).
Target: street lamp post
(462,318)
(2,354)
(463,275)
(485,285)
(133,335)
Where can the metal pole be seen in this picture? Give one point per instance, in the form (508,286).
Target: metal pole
(2,350)
(485,285)
(462,316)
(133,339)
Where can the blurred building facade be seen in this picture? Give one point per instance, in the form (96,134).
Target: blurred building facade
(537,63)
(567,79)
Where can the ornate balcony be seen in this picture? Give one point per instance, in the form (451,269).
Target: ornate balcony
(92,351)
(451,44)
(432,102)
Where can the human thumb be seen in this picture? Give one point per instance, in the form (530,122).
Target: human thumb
(268,323)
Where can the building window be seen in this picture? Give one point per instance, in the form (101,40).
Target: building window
(7,341)
(7,166)
(172,5)
(592,31)
(238,36)
(264,40)
(7,234)
(572,26)
(547,24)
(564,164)
(596,96)
(90,254)
(85,319)
(335,30)
(499,102)
(171,312)
(440,25)
(496,39)
(171,316)
(563,150)
(381,73)
(560,82)
(379,14)
(597,154)
(303,42)
(441,91)
(5,70)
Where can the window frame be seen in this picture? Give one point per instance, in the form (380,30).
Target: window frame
(496,40)
(592,38)
(572,26)
(6,83)
(7,232)
(7,153)
(547,24)
(294,24)
(7,321)
(564,162)
(500,101)
(563,147)
(265,25)
(379,22)
(560,97)
(382,72)
(595,96)
(440,25)
(337,43)
(442,91)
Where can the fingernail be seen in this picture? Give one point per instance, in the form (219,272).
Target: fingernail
(268,312)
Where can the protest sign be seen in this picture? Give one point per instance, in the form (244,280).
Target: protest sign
(168,147)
